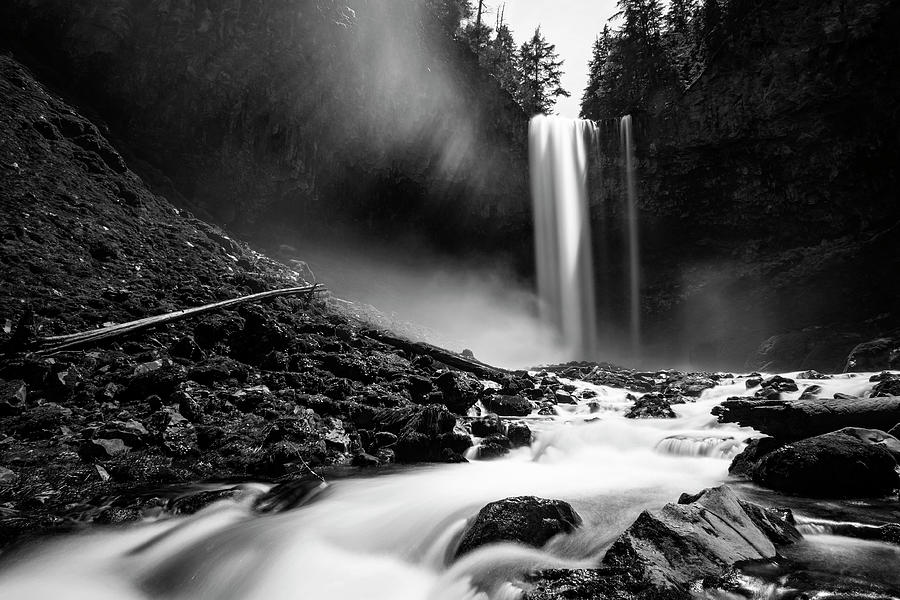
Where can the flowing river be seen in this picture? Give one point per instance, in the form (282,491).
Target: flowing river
(390,536)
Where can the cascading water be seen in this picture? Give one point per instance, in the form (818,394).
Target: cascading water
(558,153)
(391,536)
(626,139)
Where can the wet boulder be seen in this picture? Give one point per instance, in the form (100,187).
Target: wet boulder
(487,425)
(874,355)
(519,434)
(651,406)
(811,392)
(493,446)
(508,406)
(524,520)
(744,463)
(851,462)
(702,536)
(889,386)
(460,390)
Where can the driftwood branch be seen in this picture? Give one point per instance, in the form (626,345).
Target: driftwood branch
(53,344)
(451,359)
(797,419)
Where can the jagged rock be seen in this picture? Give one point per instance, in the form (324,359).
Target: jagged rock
(101,449)
(564,397)
(487,425)
(851,462)
(519,434)
(674,547)
(752,382)
(525,519)
(508,406)
(461,390)
(651,406)
(12,397)
(7,476)
(189,408)
(132,433)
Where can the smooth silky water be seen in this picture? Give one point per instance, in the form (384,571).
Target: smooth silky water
(392,536)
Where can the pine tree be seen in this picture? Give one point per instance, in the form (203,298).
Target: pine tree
(541,73)
(501,58)
(593,102)
(680,40)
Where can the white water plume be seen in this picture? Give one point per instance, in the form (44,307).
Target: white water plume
(558,155)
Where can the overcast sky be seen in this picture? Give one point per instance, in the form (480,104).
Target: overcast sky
(570,24)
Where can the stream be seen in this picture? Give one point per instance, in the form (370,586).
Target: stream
(390,536)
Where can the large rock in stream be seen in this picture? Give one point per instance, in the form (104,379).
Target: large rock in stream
(852,462)
(799,419)
(665,553)
(525,519)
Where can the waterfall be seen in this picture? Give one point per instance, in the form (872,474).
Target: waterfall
(558,153)
(626,137)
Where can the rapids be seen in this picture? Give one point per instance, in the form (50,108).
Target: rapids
(390,536)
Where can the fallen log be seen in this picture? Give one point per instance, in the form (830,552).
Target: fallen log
(451,359)
(58,343)
(800,419)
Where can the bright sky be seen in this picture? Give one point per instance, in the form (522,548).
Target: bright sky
(570,24)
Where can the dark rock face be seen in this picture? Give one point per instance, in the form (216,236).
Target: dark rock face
(753,136)
(526,520)
(874,355)
(847,463)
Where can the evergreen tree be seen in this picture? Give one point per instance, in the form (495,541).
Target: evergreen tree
(680,40)
(501,59)
(710,26)
(541,72)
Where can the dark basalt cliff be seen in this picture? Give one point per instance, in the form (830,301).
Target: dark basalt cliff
(769,191)
(369,114)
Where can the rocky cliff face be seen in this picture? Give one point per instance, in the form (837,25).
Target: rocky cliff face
(369,113)
(769,190)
